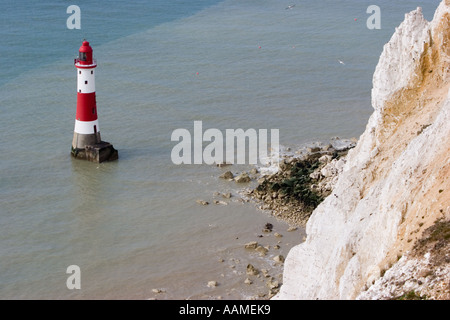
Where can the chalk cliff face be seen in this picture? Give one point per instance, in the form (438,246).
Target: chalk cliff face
(396,181)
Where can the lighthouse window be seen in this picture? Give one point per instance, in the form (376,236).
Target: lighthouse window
(92,72)
(79,72)
(93,110)
(82,56)
(85,82)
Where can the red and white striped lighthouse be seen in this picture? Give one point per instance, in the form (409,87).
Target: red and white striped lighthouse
(86,130)
(86,141)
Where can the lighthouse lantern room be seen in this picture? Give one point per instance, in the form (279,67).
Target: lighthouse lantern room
(87,143)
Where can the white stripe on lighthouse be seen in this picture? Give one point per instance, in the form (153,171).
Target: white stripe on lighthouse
(86,80)
(86,127)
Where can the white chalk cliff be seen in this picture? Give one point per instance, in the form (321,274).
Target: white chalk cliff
(396,181)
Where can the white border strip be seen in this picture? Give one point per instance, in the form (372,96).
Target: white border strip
(86,127)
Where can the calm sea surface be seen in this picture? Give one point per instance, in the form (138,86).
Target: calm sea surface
(134,225)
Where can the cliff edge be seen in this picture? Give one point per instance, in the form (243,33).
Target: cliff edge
(395,185)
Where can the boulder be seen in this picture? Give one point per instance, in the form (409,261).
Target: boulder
(227,175)
(251,245)
(262,251)
(272,284)
(251,270)
(276,234)
(226,195)
(325,159)
(242,178)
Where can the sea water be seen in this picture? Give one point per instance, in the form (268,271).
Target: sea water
(134,225)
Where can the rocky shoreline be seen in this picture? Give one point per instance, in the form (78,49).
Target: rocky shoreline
(303,179)
(251,270)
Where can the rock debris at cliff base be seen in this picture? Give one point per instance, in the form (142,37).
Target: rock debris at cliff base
(301,183)
(421,274)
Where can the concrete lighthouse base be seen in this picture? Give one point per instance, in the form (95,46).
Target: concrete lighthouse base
(98,152)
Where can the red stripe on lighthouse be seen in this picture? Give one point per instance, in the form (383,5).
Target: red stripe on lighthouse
(86,107)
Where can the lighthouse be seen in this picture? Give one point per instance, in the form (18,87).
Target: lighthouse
(87,143)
